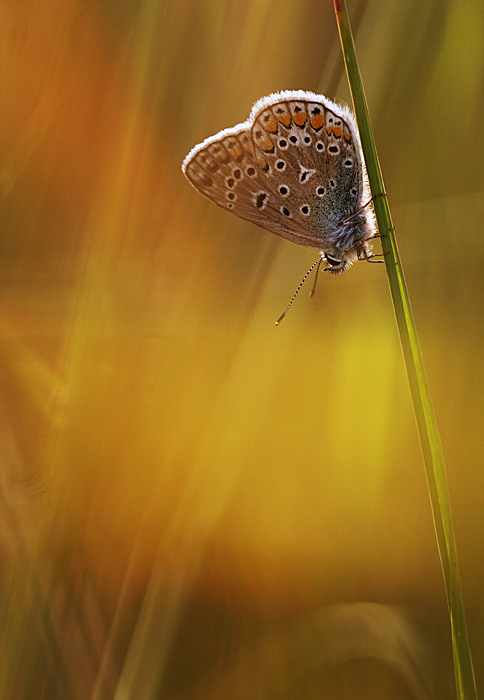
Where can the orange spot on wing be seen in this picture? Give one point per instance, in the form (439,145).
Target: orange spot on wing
(220,154)
(317,121)
(271,125)
(284,119)
(283,115)
(262,162)
(247,144)
(236,151)
(263,141)
(337,131)
(207,162)
(299,118)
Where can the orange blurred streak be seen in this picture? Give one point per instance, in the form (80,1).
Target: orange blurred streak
(54,80)
(66,114)
(78,150)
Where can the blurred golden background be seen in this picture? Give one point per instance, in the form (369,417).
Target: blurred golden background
(193,502)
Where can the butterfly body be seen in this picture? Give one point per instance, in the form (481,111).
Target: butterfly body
(295,168)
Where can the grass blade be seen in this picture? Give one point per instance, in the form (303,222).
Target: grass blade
(422,404)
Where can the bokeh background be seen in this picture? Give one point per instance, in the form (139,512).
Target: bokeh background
(194,503)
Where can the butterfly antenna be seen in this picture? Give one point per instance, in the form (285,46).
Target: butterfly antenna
(318,263)
(313,290)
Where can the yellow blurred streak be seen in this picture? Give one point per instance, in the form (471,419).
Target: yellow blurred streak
(460,62)
(33,376)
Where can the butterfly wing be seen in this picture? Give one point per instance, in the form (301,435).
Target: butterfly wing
(223,168)
(294,167)
(312,145)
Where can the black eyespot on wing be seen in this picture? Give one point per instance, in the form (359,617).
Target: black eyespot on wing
(260,200)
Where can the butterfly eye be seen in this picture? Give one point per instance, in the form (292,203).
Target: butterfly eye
(332,261)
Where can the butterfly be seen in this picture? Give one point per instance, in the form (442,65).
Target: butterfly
(295,168)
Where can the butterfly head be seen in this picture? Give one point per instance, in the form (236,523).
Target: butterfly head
(338,263)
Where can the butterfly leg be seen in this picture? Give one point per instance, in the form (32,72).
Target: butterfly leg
(363,254)
(369,258)
(363,206)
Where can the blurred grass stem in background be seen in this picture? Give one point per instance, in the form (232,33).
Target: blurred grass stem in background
(424,413)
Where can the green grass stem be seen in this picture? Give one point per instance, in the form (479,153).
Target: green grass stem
(422,404)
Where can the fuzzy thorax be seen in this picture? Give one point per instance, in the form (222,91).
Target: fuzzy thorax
(347,242)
